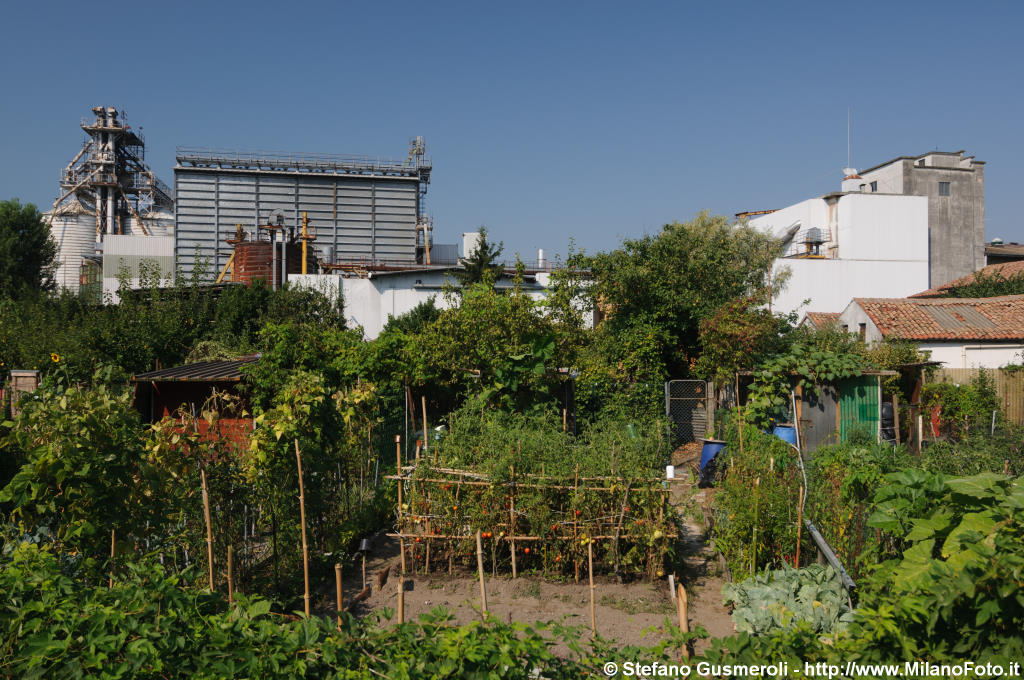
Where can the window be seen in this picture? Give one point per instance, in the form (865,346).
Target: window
(943,188)
(863,331)
(874,187)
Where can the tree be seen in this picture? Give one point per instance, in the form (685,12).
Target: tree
(670,282)
(27,252)
(481,264)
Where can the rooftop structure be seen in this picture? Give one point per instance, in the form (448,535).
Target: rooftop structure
(955,187)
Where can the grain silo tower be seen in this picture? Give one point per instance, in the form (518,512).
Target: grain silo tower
(107,189)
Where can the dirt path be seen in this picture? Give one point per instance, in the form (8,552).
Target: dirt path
(624,611)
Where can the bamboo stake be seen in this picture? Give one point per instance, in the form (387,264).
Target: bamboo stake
(739,410)
(480,568)
(684,622)
(231,583)
(364,570)
(337,588)
(753,547)
(575,523)
(398,468)
(590,571)
(209,528)
(112,544)
(401,591)
(426,436)
(799,524)
(512,522)
(302,519)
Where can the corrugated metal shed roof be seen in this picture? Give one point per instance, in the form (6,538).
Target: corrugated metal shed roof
(995,318)
(203,371)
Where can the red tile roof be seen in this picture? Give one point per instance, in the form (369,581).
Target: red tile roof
(995,318)
(1005,269)
(822,319)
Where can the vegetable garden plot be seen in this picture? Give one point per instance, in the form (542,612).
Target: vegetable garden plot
(535,522)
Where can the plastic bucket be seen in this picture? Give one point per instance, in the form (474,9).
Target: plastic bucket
(786,433)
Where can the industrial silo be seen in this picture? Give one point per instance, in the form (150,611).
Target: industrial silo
(74,229)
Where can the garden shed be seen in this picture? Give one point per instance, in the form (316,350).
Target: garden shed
(166,392)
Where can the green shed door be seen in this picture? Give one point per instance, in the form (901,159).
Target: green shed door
(858,406)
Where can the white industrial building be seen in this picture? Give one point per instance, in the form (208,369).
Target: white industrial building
(849,244)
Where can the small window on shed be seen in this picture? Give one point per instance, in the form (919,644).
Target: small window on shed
(943,188)
(874,187)
(863,331)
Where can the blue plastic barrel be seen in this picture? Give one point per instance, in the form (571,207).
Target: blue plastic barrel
(708,451)
(786,433)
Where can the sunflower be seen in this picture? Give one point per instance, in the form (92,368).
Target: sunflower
(54,357)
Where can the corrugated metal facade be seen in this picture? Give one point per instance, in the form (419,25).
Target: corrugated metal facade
(859,405)
(369,217)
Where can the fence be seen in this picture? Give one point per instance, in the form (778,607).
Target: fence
(1009,387)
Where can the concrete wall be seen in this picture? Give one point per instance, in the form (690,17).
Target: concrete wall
(957,221)
(853,316)
(831,284)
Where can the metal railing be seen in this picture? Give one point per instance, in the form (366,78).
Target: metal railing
(299,162)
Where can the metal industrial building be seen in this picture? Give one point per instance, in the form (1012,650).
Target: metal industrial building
(359,209)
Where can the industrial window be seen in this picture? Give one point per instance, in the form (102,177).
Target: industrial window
(943,188)
(874,187)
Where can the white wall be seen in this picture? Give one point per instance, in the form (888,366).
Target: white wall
(880,250)
(831,284)
(875,227)
(968,355)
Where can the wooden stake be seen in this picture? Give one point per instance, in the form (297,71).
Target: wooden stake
(302,520)
(112,544)
(398,472)
(512,521)
(575,522)
(753,547)
(480,568)
(231,584)
(364,570)
(565,420)
(426,435)
(209,527)
(337,588)
(401,598)
(799,524)
(590,570)
(684,622)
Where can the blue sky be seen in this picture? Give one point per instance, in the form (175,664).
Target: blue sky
(545,121)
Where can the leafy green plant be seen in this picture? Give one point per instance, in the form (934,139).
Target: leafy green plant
(782,598)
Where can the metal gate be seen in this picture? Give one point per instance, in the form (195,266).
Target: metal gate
(686,407)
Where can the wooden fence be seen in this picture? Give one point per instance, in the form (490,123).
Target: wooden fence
(1009,386)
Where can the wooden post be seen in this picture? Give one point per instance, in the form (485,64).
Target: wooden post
(512,521)
(575,522)
(209,528)
(337,588)
(231,583)
(565,420)
(799,524)
(896,416)
(112,544)
(426,434)
(480,568)
(753,547)
(398,471)
(739,411)
(590,570)
(364,570)
(401,592)
(684,623)
(302,521)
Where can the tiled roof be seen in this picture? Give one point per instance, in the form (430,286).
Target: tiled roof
(822,319)
(1006,269)
(203,371)
(996,318)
